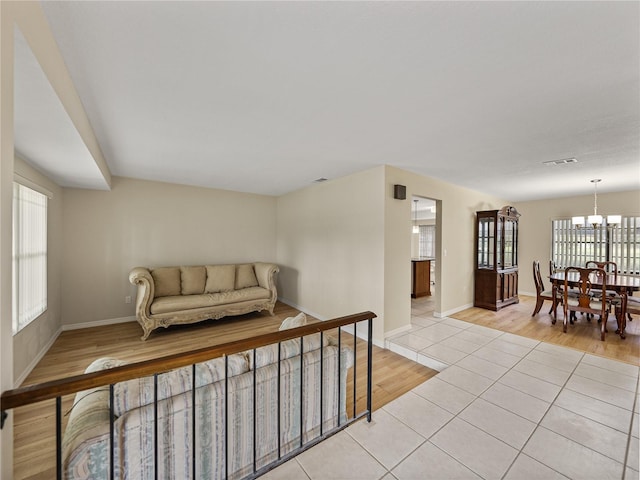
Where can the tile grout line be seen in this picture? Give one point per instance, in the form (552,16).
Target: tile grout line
(538,424)
(552,403)
(633,414)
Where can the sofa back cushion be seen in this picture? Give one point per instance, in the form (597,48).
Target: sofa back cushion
(245,277)
(166,281)
(288,348)
(220,278)
(192,280)
(139,392)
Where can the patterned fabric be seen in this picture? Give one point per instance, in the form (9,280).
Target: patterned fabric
(288,349)
(86,439)
(139,392)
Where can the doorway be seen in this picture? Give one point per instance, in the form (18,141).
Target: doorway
(424,256)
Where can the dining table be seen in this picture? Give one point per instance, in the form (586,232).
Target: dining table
(623,285)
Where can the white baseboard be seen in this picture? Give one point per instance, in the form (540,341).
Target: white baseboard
(397,331)
(17,382)
(362,335)
(452,311)
(346,328)
(306,311)
(98,323)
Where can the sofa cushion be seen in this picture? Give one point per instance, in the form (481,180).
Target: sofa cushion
(139,392)
(245,276)
(166,281)
(220,278)
(293,322)
(192,280)
(178,303)
(289,348)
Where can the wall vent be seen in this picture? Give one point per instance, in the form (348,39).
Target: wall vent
(562,161)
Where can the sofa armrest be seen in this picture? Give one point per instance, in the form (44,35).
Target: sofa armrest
(266,273)
(141,277)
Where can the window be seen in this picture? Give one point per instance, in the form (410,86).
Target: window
(427,241)
(572,246)
(29,255)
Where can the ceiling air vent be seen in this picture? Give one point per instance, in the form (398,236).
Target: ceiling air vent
(562,161)
(320,180)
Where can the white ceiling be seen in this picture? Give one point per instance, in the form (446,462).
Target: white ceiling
(266,97)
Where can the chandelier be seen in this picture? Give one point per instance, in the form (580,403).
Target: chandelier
(595,219)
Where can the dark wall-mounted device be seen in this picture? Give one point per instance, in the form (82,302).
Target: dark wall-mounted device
(399,192)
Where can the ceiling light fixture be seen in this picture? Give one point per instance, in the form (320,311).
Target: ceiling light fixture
(595,219)
(416,229)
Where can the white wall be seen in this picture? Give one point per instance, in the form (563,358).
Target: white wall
(535,226)
(34,339)
(6,187)
(331,247)
(456,207)
(143,223)
(345,245)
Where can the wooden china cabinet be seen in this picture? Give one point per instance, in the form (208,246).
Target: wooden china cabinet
(496,272)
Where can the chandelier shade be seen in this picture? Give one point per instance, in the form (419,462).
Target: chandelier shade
(596,220)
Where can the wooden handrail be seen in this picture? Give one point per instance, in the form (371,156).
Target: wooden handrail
(56,388)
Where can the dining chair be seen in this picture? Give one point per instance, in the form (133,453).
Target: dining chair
(633,306)
(589,299)
(610,268)
(541,293)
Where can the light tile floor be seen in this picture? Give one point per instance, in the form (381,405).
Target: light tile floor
(502,407)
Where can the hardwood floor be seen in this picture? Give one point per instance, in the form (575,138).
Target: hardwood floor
(393,375)
(583,335)
(34,426)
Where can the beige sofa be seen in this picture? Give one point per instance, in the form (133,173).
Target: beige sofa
(85,448)
(179,295)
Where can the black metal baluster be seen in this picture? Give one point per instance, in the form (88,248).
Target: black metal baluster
(193,421)
(255,410)
(155,426)
(301,390)
(59,438)
(321,377)
(369,367)
(340,373)
(279,399)
(111,434)
(226,417)
(355,363)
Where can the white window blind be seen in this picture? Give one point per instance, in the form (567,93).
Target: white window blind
(427,241)
(572,246)
(29,255)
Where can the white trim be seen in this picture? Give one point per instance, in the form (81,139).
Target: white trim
(32,185)
(397,331)
(362,335)
(298,307)
(98,323)
(452,311)
(431,363)
(346,328)
(17,382)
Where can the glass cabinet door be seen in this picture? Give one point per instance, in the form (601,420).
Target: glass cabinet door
(486,229)
(508,243)
(499,240)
